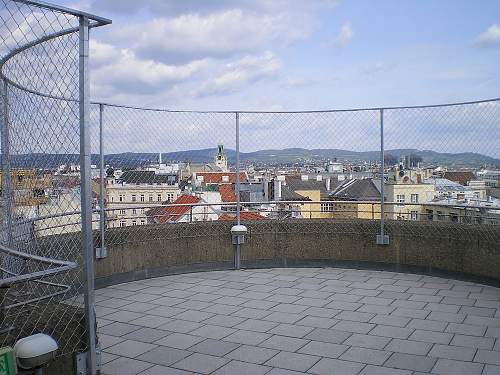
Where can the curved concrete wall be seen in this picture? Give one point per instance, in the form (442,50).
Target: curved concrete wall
(471,251)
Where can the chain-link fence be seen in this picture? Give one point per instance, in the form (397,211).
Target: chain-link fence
(153,168)
(430,163)
(43,86)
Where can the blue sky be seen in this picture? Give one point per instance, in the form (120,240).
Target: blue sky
(292,55)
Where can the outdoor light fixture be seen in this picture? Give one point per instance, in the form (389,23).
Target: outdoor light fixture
(238,235)
(33,352)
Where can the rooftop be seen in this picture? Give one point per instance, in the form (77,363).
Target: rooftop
(302,320)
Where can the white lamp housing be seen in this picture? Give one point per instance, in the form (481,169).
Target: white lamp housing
(35,350)
(238,230)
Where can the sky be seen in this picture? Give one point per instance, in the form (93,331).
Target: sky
(293,55)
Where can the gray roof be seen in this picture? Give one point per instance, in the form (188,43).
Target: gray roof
(147,177)
(289,195)
(357,190)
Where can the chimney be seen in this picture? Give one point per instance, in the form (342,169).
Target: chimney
(319,178)
(304,177)
(328,183)
(277,189)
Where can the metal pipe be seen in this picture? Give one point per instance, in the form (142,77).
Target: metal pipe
(237,255)
(382,174)
(6,170)
(86,193)
(58,8)
(238,202)
(102,212)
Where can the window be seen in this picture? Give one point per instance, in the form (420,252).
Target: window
(134,211)
(143,222)
(414,198)
(414,215)
(123,223)
(121,198)
(142,211)
(134,222)
(430,215)
(142,197)
(170,197)
(454,217)
(159,197)
(150,198)
(441,216)
(400,198)
(326,207)
(134,198)
(122,212)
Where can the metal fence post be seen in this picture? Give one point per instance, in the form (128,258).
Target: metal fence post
(101,252)
(382,238)
(237,255)
(6,170)
(86,194)
(238,188)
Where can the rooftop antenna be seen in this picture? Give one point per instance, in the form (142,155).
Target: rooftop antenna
(159,158)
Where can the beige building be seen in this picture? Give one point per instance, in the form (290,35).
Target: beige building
(463,211)
(408,199)
(354,193)
(129,196)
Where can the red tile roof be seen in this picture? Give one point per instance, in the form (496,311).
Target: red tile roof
(216,177)
(227,193)
(244,216)
(163,215)
(462,178)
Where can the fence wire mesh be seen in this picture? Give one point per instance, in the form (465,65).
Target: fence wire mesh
(41,266)
(164,167)
(155,168)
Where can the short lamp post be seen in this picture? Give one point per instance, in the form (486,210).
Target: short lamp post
(238,235)
(34,352)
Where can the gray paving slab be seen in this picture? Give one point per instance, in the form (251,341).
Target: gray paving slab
(125,366)
(292,321)
(252,354)
(459,353)
(162,355)
(328,335)
(130,348)
(328,366)
(201,363)
(293,361)
(179,340)
(242,368)
(145,334)
(323,349)
(289,344)
(364,355)
(410,362)
(452,367)
(379,370)
(409,347)
(367,341)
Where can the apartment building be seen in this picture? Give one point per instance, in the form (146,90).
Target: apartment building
(351,192)
(130,195)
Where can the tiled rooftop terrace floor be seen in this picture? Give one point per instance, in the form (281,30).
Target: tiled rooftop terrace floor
(294,321)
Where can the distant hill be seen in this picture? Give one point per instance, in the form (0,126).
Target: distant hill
(289,155)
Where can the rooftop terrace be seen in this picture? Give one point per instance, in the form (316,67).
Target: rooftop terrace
(299,320)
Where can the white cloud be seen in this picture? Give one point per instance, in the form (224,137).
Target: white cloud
(222,34)
(116,69)
(237,75)
(490,37)
(345,35)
